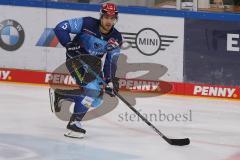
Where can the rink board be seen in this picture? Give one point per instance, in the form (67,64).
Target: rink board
(130,85)
(216,57)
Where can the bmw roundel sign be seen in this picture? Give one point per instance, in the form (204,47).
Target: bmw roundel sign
(11,35)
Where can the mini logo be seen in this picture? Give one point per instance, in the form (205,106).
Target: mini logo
(148,41)
(11,35)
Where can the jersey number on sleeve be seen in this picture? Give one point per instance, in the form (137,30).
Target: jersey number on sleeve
(65,26)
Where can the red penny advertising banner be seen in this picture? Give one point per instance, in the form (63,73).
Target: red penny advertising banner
(133,85)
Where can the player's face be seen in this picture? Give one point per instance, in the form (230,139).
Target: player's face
(107,22)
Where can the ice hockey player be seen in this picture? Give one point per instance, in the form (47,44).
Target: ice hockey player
(95,37)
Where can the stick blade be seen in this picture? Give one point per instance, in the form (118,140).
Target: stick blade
(179,142)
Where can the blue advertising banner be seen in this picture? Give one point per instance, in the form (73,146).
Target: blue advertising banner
(212,52)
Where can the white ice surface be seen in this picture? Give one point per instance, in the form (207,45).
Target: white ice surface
(28,129)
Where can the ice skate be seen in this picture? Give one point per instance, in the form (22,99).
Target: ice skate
(55,98)
(75,130)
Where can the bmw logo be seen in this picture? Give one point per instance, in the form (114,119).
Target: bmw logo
(11,35)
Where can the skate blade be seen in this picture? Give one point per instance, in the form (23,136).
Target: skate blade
(52,99)
(73,134)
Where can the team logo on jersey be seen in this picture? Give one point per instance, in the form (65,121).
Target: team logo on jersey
(11,35)
(148,41)
(97,45)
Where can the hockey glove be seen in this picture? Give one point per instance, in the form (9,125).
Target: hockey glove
(73,47)
(109,90)
(112,86)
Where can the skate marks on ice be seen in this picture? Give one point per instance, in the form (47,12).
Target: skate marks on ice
(26,147)
(14,152)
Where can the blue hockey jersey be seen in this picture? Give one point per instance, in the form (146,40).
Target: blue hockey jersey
(91,40)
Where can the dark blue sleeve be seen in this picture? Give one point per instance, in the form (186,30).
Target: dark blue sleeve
(110,65)
(63,29)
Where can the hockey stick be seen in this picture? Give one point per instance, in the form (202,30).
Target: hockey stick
(176,142)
